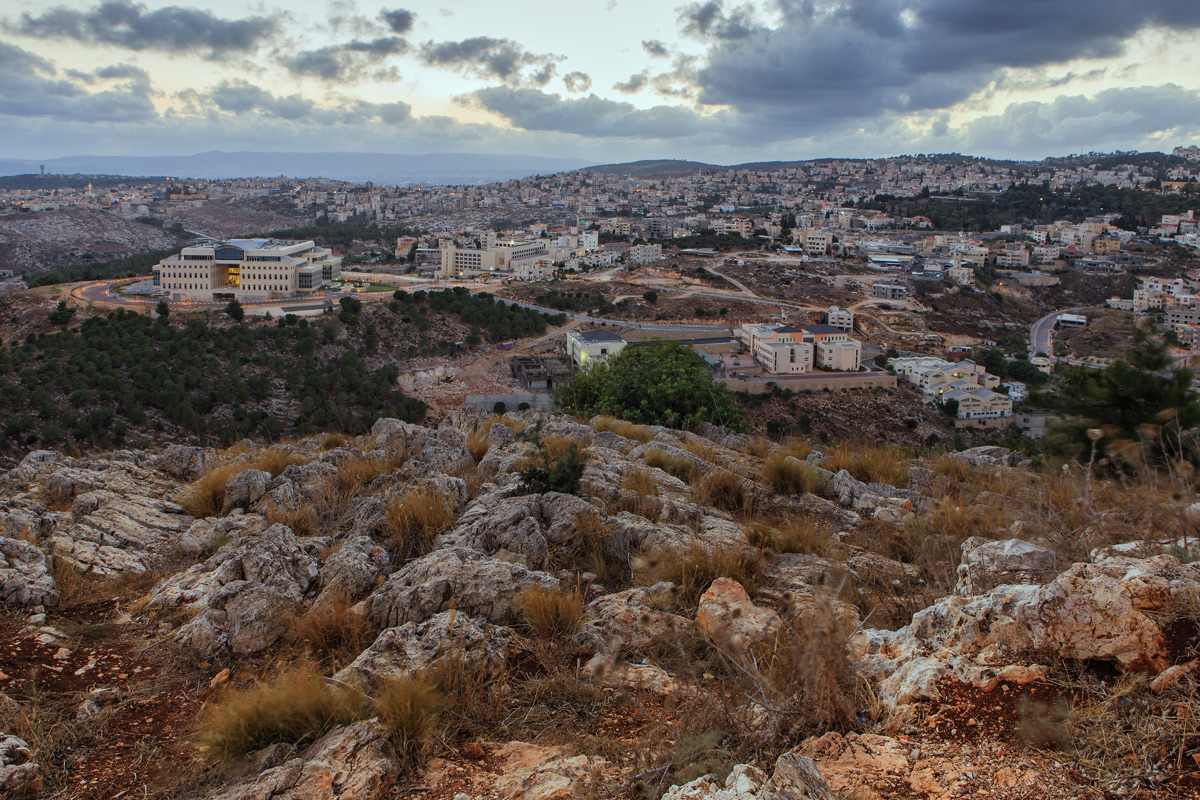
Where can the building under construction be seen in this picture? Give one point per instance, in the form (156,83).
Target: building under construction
(537,373)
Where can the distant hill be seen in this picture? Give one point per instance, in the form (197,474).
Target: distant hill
(649,169)
(382,168)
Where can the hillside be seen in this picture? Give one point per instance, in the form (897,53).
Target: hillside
(542,607)
(32,242)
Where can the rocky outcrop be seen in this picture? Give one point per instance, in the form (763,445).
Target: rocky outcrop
(245,489)
(986,565)
(795,778)
(459,578)
(183,462)
(1091,612)
(20,775)
(355,762)
(415,646)
(534,772)
(990,456)
(634,622)
(24,577)
(727,617)
(243,595)
(353,570)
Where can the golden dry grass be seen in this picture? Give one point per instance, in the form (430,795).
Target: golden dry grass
(303,519)
(797,449)
(551,613)
(274,461)
(790,536)
(413,520)
(757,447)
(410,708)
(693,570)
(725,490)
(638,433)
(206,496)
(870,464)
(333,632)
(681,467)
(702,450)
(478,446)
(297,705)
(332,441)
(786,475)
(645,501)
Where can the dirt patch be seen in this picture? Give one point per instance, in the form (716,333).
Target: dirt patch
(968,714)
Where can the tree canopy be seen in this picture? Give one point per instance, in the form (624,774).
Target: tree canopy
(657,384)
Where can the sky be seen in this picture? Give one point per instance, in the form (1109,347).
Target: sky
(600,80)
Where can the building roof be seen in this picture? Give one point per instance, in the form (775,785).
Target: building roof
(597,336)
(785,329)
(822,329)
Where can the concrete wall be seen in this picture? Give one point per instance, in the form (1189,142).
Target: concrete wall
(814,381)
(486,402)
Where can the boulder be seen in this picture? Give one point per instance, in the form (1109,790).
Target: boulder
(183,462)
(615,674)
(415,646)
(242,595)
(25,579)
(990,456)
(20,775)
(727,617)
(533,772)
(633,622)
(459,578)
(1092,612)
(353,570)
(245,489)
(870,766)
(986,565)
(354,762)
(795,778)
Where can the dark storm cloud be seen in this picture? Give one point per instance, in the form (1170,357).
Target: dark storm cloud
(655,48)
(709,20)
(577,81)
(635,84)
(344,62)
(593,116)
(828,62)
(488,58)
(30,86)
(399,20)
(133,27)
(1111,119)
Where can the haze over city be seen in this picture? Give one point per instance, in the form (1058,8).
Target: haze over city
(600,80)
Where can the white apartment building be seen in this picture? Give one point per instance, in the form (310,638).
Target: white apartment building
(526,259)
(246,269)
(644,253)
(585,347)
(888,291)
(840,318)
(783,349)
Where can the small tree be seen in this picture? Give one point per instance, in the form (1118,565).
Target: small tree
(235,310)
(163,309)
(61,315)
(650,296)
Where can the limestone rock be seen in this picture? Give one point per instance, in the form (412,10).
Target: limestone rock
(726,616)
(183,462)
(986,565)
(242,593)
(414,646)
(633,621)
(639,677)
(795,778)
(859,763)
(990,456)
(354,762)
(24,578)
(245,489)
(533,772)
(20,775)
(458,578)
(353,570)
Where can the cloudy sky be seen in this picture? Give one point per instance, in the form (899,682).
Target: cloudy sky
(604,80)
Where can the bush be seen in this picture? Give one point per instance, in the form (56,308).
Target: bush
(551,613)
(553,472)
(296,706)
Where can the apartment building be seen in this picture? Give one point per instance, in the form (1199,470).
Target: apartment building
(931,374)
(586,347)
(524,259)
(786,350)
(1013,257)
(644,253)
(1182,316)
(977,403)
(246,269)
(888,291)
(840,318)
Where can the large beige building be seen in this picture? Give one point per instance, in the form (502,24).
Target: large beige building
(783,349)
(526,260)
(246,269)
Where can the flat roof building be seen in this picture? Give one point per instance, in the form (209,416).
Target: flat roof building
(246,269)
(584,347)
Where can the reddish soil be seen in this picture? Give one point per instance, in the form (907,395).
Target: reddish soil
(968,714)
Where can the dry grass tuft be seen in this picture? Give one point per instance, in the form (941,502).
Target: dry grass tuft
(757,447)
(638,433)
(333,632)
(797,449)
(206,497)
(274,461)
(296,706)
(551,613)
(332,441)
(478,446)
(725,490)
(645,501)
(786,475)
(302,520)
(694,570)
(412,521)
(870,464)
(410,707)
(702,450)
(790,536)
(683,468)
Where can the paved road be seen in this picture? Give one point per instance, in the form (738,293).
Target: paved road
(1040,335)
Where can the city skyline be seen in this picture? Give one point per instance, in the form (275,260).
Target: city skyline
(611,82)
